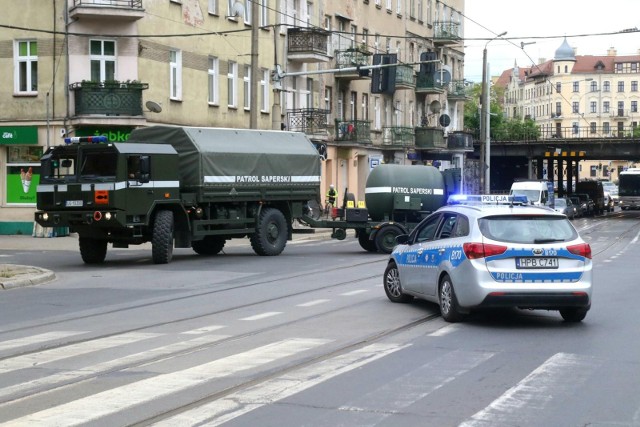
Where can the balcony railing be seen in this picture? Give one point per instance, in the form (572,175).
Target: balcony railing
(130,10)
(459,140)
(405,77)
(446,32)
(349,58)
(307,44)
(427,84)
(108,98)
(357,131)
(430,138)
(457,89)
(311,121)
(398,135)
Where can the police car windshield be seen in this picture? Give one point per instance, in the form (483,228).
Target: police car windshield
(527,228)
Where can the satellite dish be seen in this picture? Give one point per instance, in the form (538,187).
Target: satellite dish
(444,120)
(435,107)
(154,107)
(237,9)
(443,75)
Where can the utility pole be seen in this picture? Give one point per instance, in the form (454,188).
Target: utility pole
(255,23)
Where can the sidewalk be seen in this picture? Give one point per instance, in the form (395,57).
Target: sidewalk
(15,276)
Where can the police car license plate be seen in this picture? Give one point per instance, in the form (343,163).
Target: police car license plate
(536,262)
(73,203)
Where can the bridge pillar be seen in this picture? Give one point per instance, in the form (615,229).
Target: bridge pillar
(570,165)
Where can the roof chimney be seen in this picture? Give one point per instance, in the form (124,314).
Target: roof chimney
(612,51)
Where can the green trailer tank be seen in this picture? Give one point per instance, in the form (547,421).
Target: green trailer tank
(179,186)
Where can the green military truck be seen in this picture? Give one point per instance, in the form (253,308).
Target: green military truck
(179,186)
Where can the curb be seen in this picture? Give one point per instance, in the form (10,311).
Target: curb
(25,276)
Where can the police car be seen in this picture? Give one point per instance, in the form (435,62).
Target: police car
(491,251)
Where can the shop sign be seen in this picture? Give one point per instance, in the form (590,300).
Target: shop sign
(113,135)
(22,182)
(10,135)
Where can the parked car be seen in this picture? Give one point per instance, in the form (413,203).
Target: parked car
(595,191)
(577,204)
(588,205)
(565,206)
(467,257)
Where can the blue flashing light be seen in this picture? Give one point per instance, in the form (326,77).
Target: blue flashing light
(84,139)
(486,199)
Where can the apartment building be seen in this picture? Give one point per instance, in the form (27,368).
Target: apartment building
(578,96)
(105,67)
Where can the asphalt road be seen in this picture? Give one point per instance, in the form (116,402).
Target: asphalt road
(307,338)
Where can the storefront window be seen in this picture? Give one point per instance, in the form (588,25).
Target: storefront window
(23,174)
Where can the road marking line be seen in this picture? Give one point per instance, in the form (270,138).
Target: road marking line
(523,403)
(359,291)
(240,403)
(312,303)
(59,353)
(30,387)
(444,331)
(262,315)
(203,330)
(37,339)
(91,408)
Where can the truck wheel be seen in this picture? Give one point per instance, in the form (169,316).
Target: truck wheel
(386,238)
(210,245)
(93,251)
(270,237)
(162,239)
(365,242)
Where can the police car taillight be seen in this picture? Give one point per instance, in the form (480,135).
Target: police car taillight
(482,250)
(582,249)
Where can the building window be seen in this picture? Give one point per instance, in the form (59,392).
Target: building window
(175,74)
(619,67)
(102,57)
(606,107)
(365,106)
(232,84)
(412,8)
(327,22)
(558,108)
(592,127)
(264,13)
(634,86)
(620,86)
(352,105)
(620,108)
(340,106)
(377,124)
(213,72)
(606,87)
(327,100)
(634,106)
(634,67)
(213,7)
(575,127)
(399,7)
(420,11)
(606,128)
(246,79)
(389,5)
(576,86)
(575,107)
(592,106)
(594,86)
(26,62)
(558,87)
(309,94)
(264,90)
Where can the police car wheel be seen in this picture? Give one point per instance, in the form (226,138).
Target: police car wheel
(392,285)
(573,314)
(449,307)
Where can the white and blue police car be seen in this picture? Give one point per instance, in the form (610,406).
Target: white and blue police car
(490,251)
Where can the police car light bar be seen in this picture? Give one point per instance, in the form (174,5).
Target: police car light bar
(486,199)
(83,139)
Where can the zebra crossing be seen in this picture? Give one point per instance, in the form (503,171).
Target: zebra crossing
(50,371)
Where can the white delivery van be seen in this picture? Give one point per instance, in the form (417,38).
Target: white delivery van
(540,193)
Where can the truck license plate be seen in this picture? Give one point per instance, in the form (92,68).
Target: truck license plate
(536,262)
(73,203)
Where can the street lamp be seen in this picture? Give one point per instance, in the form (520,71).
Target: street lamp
(486,116)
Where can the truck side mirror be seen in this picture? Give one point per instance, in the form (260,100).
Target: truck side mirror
(145,169)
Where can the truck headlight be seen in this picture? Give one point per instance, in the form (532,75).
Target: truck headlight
(107,216)
(45,216)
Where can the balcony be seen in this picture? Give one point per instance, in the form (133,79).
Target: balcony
(621,114)
(446,33)
(311,121)
(460,141)
(405,77)
(398,136)
(428,138)
(124,10)
(457,90)
(355,131)
(427,84)
(109,99)
(307,45)
(557,115)
(348,60)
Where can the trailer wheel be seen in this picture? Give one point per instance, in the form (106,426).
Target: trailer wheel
(365,242)
(162,239)
(386,238)
(210,245)
(270,237)
(93,251)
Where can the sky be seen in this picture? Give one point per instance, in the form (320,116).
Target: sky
(585,23)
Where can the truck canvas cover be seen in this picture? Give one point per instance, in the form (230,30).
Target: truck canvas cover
(220,157)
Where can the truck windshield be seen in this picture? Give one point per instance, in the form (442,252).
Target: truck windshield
(98,164)
(58,166)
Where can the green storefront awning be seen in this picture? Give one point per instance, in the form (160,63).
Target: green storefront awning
(12,135)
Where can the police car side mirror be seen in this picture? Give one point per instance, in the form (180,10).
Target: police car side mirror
(402,239)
